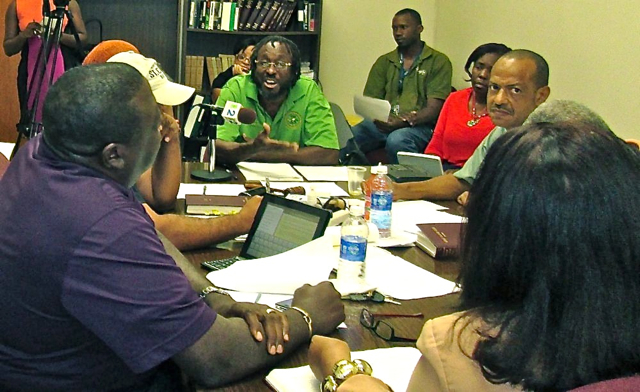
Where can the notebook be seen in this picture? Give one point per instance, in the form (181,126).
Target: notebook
(280,225)
(415,167)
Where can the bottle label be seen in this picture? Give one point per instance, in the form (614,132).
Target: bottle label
(381,201)
(353,248)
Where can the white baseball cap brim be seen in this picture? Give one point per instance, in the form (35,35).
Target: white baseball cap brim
(165,91)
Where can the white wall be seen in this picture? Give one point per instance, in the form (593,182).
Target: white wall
(592,46)
(354,34)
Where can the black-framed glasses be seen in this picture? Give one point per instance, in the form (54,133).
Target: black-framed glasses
(264,64)
(381,328)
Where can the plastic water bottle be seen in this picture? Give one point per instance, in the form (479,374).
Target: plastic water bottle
(381,200)
(353,248)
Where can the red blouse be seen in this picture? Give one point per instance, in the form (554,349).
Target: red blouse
(453,140)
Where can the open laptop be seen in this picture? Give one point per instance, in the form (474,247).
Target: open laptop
(415,167)
(280,225)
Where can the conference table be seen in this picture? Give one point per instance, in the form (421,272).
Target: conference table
(358,337)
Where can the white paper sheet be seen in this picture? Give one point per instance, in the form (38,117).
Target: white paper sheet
(394,366)
(320,188)
(371,108)
(323,173)
(405,215)
(398,278)
(257,171)
(280,274)
(7,148)
(212,189)
(312,263)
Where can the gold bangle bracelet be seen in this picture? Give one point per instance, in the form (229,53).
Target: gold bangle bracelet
(306,317)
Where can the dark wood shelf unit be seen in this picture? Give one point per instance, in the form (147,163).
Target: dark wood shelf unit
(203,42)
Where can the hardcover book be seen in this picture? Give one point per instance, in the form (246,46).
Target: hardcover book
(266,7)
(270,15)
(214,205)
(440,240)
(257,8)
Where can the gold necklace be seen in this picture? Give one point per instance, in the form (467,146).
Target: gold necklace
(475,118)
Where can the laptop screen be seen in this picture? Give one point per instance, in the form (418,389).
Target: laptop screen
(281,224)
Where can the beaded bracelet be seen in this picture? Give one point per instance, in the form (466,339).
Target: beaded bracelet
(344,369)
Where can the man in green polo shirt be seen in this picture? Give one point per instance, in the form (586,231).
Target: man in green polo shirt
(416,80)
(294,120)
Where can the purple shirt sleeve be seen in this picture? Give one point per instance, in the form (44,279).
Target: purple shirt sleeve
(122,285)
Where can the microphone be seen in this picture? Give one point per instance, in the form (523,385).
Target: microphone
(232,112)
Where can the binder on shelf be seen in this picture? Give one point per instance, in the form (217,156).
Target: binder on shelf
(311,16)
(192,13)
(305,18)
(266,6)
(254,14)
(211,72)
(270,15)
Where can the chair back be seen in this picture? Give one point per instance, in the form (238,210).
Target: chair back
(342,126)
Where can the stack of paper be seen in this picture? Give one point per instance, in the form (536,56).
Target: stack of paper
(257,171)
(323,173)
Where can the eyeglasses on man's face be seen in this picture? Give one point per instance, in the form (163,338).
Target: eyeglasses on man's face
(382,329)
(243,58)
(264,64)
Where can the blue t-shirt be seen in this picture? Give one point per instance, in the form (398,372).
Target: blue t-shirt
(90,299)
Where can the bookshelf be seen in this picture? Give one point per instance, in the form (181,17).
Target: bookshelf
(213,41)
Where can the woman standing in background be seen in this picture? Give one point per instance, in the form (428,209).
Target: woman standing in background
(23,34)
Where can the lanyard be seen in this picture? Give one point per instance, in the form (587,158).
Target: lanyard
(403,72)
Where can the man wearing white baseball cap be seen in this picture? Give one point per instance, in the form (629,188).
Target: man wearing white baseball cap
(159,185)
(166,92)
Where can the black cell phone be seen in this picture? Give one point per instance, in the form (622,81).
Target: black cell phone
(254,192)
(284,305)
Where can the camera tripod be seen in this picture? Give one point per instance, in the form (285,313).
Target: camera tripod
(42,74)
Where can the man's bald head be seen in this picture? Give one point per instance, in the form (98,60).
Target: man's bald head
(541,74)
(518,85)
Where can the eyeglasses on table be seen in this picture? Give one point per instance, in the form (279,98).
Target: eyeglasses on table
(381,328)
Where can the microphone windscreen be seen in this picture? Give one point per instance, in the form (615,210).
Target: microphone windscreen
(247,116)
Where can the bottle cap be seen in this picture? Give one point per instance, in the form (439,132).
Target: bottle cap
(356,207)
(380,169)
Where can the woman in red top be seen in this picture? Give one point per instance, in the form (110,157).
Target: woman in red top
(463,121)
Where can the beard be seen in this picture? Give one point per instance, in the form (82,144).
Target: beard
(271,94)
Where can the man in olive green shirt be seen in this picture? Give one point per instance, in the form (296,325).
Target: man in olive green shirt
(416,80)
(294,120)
